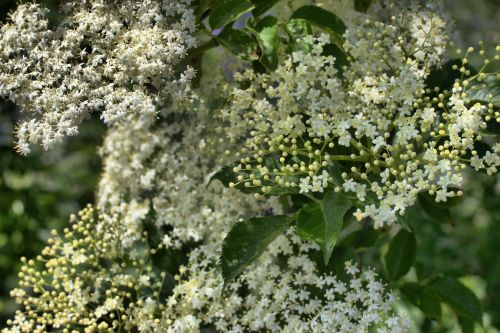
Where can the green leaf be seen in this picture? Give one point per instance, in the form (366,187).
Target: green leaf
(445,76)
(336,265)
(334,168)
(262,6)
(227,12)
(424,298)
(481,147)
(412,291)
(492,126)
(341,59)
(297,29)
(205,6)
(239,43)
(324,19)
(461,299)
(362,5)
(424,273)
(403,222)
(247,240)
(362,238)
(433,210)
(430,303)
(266,32)
(401,254)
(466,324)
(321,221)
(486,91)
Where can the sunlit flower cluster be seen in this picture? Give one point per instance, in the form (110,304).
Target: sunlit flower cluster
(119,58)
(377,130)
(297,298)
(147,259)
(84,279)
(180,212)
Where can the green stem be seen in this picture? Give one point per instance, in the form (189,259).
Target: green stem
(212,43)
(312,197)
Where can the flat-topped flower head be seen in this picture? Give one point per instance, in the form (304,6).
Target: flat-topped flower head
(377,129)
(118,58)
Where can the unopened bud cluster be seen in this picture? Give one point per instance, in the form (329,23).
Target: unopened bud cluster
(83,279)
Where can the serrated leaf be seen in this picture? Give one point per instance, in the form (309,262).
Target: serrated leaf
(486,91)
(430,303)
(431,209)
(324,19)
(227,12)
(266,32)
(262,6)
(205,6)
(401,255)
(412,291)
(461,299)
(341,59)
(239,43)
(424,298)
(403,222)
(297,29)
(322,221)
(247,240)
(362,5)
(336,265)
(424,273)
(466,324)
(362,238)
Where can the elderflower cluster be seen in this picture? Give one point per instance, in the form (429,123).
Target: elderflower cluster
(155,179)
(179,156)
(374,129)
(161,167)
(84,279)
(118,58)
(289,297)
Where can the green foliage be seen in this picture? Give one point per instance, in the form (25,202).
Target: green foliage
(321,221)
(238,42)
(362,5)
(205,6)
(266,33)
(466,324)
(247,240)
(227,12)
(434,211)
(38,187)
(401,255)
(297,29)
(423,297)
(262,6)
(38,193)
(445,76)
(459,297)
(430,303)
(324,19)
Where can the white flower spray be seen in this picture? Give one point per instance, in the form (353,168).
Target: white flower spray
(118,58)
